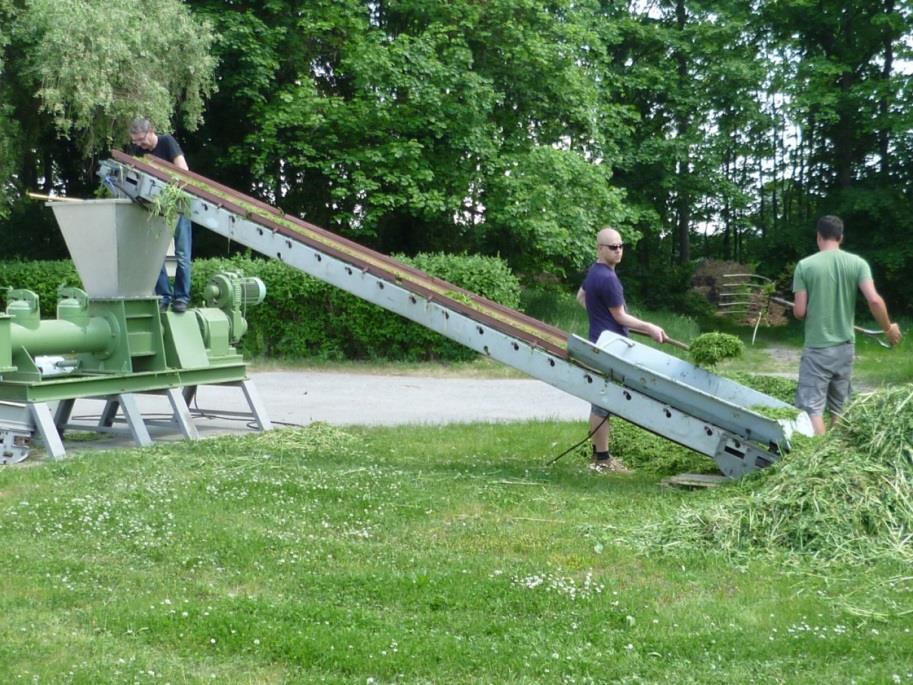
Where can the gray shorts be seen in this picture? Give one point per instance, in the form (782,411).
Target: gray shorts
(824,378)
(599,411)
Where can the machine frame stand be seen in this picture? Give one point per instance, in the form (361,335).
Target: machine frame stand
(52,427)
(40,413)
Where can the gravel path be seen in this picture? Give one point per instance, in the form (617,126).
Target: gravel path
(301,397)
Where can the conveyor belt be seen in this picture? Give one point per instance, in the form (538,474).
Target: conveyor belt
(678,403)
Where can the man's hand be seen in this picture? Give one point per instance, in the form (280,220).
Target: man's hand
(893,334)
(657,333)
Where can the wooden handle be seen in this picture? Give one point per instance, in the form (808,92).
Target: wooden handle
(53,198)
(677,343)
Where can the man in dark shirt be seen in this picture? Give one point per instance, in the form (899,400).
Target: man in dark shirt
(146,141)
(604,298)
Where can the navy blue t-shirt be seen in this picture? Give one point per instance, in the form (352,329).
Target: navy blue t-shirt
(166,148)
(603,290)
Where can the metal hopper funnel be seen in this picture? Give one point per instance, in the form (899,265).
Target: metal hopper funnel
(118,248)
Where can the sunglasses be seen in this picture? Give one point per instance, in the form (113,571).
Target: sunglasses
(616,246)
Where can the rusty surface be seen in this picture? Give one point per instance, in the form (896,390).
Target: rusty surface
(497,316)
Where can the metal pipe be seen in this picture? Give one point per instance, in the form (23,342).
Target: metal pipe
(55,336)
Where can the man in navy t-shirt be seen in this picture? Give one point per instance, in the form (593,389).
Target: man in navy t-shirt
(146,141)
(604,298)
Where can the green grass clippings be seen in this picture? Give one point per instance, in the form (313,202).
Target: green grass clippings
(170,202)
(708,349)
(846,497)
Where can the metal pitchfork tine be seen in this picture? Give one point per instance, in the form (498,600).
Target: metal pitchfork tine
(755,285)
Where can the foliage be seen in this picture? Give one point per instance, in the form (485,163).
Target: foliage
(72,75)
(7,122)
(535,199)
(659,288)
(42,278)
(708,349)
(485,276)
(510,128)
(783,389)
(169,203)
(647,452)
(303,317)
(418,127)
(131,66)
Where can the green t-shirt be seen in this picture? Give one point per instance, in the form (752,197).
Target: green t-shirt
(831,278)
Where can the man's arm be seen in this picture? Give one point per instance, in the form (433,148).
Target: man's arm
(635,324)
(880,311)
(800,306)
(581,297)
(180,163)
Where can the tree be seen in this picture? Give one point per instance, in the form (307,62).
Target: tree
(76,71)
(416,126)
(689,74)
(7,124)
(850,106)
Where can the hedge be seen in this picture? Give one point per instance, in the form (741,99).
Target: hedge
(306,318)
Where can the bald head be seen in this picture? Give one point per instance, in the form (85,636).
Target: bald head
(605,254)
(608,236)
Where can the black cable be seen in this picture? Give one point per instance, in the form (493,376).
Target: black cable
(196,413)
(578,444)
(202,413)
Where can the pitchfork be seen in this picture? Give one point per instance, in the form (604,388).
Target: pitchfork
(754,293)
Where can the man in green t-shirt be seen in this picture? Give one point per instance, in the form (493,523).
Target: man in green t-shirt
(825,287)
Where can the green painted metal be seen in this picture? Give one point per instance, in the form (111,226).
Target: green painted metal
(70,387)
(111,339)
(184,347)
(232,293)
(140,346)
(6,348)
(62,337)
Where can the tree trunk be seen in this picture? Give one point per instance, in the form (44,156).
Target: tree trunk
(683,201)
(884,105)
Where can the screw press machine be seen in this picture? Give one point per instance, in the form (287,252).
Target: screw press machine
(110,340)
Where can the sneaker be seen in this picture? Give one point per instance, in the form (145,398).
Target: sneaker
(163,306)
(178,306)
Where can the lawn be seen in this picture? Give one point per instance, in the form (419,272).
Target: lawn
(408,555)
(427,555)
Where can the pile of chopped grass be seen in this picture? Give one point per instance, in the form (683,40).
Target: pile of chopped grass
(708,349)
(846,497)
(642,450)
(781,388)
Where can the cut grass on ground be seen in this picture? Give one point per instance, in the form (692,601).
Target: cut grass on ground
(408,555)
